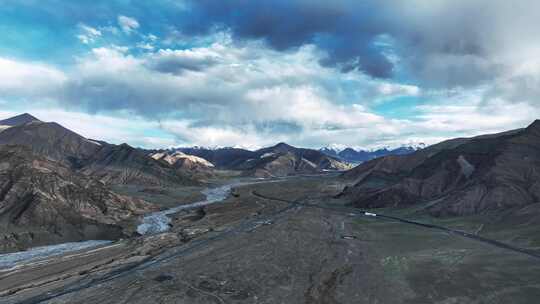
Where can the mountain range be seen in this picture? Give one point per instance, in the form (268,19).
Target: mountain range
(279,160)
(358,156)
(58,186)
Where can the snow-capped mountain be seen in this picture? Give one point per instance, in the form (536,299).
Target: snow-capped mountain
(357,156)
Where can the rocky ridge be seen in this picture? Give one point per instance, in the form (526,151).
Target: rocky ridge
(43,201)
(457,177)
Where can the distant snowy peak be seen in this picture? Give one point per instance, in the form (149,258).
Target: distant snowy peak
(334,148)
(337,148)
(418,146)
(211,148)
(359,155)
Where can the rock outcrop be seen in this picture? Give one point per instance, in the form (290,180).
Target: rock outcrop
(182,160)
(195,166)
(123,164)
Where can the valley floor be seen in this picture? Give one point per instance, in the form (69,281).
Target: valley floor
(273,243)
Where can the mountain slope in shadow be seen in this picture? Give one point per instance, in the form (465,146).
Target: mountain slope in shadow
(457,177)
(43,201)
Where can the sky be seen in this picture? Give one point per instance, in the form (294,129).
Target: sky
(240,73)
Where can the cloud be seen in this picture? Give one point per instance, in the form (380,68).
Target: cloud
(306,107)
(176,61)
(520,85)
(145,46)
(309,72)
(393,90)
(218,92)
(345,30)
(232,84)
(89,34)
(113,129)
(249,95)
(434,44)
(151,37)
(29,80)
(469,114)
(128,24)
(440,44)
(246,137)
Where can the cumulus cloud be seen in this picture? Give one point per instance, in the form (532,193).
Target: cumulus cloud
(520,85)
(440,43)
(469,114)
(226,92)
(113,129)
(231,84)
(26,80)
(89,34)
(309,72)
(395,89)
(252,96)
(247,137)
(176,61)
(345,30)
(128,24)
(145,46)
(304,106)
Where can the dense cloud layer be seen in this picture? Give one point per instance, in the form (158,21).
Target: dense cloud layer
(224,84)
(345,30)
(438,43)
(360,73)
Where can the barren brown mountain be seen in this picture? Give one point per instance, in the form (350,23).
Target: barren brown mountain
(55,185)
(43,201)
(112,164)
(456,177)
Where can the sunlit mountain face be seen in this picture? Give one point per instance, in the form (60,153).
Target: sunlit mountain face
(248,74)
